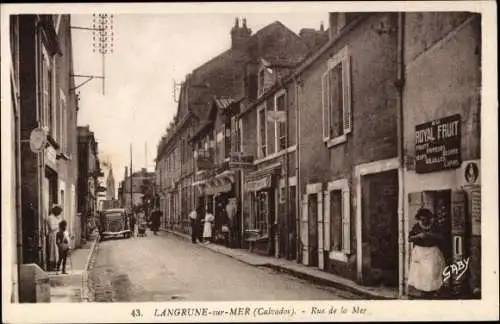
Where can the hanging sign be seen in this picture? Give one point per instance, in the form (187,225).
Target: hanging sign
(38,140)
(276,116)
(437,145)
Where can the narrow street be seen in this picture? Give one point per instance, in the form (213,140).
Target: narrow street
(167,268)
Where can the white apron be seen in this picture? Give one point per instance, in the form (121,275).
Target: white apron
(427,264)
(207,226)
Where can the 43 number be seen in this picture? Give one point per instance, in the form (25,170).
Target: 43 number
(136,313)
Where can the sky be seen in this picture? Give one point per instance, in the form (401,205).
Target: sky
(150,53)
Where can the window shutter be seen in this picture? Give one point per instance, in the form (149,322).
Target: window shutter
(327,221)
(346,82)
(325,102)
(346,221)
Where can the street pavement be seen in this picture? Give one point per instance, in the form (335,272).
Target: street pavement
(168,268)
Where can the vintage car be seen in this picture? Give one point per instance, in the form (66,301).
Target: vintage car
(114,223)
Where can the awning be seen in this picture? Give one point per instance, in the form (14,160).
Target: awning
(199,183)
(263,178)
(260,184)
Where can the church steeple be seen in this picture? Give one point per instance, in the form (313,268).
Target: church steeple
(110,185)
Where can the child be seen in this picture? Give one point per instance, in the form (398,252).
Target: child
(62,241)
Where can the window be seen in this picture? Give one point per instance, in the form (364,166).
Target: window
(63,125)
(260,219)
(47,92)
(280,126)
(261,132)
(336,85)
(261,81)
(227,140)
(337,220)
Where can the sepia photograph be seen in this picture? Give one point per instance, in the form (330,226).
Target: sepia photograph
(249,162)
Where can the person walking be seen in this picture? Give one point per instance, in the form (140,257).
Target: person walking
(63,244)
(193,218)
(425,277)
(155,220)
(207,227)
(53,221)
(132,223)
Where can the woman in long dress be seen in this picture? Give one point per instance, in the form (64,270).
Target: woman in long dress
(53,221)
(207,227)
(427,260)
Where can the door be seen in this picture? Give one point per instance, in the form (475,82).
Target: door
(292,224)
(312,206)
(380,228)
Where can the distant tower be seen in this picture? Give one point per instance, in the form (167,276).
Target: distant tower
(110,185)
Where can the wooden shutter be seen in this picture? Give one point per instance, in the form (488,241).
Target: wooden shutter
(346,221)
(327,221)
(304,231)
(346,88)
(325,85)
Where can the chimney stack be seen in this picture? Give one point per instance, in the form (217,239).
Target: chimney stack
(240,35)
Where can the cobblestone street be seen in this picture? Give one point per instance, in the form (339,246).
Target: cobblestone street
(166,268)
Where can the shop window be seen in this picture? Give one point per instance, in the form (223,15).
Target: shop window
(260,211)
(336,92)
(337,220)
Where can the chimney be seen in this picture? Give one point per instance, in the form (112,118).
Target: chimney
(240,35)
(332,25)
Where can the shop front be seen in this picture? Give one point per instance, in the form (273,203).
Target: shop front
(261,189)
(440,180)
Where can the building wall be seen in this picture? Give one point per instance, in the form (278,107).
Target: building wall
(451,44)
(373,109)
(34,192)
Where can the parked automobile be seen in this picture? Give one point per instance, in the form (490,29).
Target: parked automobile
(114,223)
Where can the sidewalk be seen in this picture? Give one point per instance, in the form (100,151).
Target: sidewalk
(299,270)
(72,287)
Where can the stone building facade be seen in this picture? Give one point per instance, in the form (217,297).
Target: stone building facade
(46,101)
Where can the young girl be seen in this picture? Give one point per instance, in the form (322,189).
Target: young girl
(62,240)
(427,261)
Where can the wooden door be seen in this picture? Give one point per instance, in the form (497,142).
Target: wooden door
(312,206)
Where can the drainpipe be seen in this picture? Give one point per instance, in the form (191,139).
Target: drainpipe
(400,137)
(298,205)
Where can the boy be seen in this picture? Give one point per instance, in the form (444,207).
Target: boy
(62,241)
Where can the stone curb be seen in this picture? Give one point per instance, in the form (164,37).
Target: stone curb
(311,278)
(85,287)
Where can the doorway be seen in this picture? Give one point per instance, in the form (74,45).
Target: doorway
(312,206)
(380,250)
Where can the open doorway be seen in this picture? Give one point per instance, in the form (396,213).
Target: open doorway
(380,250)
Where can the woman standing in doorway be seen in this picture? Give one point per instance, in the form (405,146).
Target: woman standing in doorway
(52,227)
(427,260)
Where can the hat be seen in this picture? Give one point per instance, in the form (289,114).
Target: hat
(56,207)
(424,213)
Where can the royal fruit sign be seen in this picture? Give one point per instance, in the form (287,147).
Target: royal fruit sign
(437,145)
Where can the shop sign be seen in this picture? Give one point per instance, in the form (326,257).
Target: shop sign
(240,160)
(260,184)
(437,145)
(216,189)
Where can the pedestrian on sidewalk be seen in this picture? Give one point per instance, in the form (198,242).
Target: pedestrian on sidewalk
(63,244)
(53,221)
(427,261)
(155,220)
(193,218)
(132,223)
(207,227)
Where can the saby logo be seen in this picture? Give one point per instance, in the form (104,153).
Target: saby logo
(456,269)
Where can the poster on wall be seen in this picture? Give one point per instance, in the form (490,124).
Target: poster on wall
(437,145)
